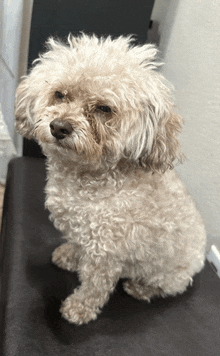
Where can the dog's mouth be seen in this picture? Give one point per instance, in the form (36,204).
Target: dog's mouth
(64,145)
(77,142)
(71,137)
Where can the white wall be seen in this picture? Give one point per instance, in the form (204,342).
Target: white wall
(15,16)
(190,40)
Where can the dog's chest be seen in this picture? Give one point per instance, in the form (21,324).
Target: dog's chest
(107,211)
(76,205)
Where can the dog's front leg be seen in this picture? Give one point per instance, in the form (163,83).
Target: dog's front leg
(66,256)
(98,278)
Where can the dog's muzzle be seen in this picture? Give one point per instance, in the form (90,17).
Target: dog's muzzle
(60,128)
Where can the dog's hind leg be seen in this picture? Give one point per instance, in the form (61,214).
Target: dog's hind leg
(139,290)
(170,284)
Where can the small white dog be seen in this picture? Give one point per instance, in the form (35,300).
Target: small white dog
(104,118)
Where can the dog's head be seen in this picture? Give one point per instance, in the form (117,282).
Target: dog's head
(100,99)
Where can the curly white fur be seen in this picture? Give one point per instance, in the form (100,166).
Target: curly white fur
(110,189)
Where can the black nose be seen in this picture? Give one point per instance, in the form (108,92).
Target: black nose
(60,128)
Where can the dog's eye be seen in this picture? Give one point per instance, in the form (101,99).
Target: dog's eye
(59,95)
(104,108)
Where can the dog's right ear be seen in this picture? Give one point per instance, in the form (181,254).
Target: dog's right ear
(24,103)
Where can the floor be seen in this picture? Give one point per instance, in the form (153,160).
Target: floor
(2,190)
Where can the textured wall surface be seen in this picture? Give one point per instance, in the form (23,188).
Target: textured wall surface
(15,17)
(11,21)
(190,48)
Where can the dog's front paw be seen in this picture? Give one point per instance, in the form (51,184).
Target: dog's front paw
(64,257)
(77,311)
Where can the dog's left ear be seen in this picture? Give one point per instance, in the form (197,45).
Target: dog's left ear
(154,141)
(163,128)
